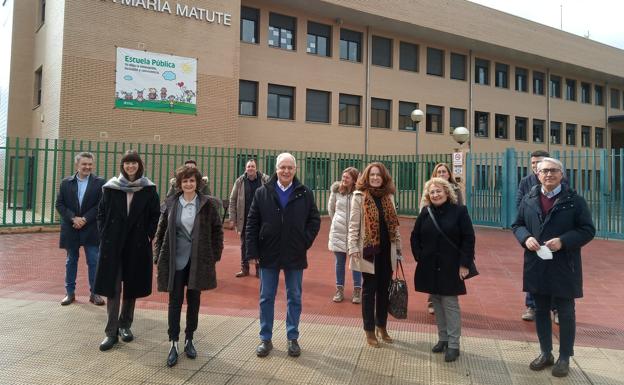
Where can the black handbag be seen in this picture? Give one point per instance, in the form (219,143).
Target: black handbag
(472,268)
(397,294)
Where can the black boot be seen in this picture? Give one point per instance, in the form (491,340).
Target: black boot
(244,271)
(189,349)
(108,343)
(172,358)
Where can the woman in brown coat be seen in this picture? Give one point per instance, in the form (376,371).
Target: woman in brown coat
(189,242)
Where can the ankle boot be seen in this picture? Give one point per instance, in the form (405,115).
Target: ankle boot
(382,333)
(172,358)
(371,339)
(357,295)
(339,296)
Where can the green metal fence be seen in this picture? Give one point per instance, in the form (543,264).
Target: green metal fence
(33,169)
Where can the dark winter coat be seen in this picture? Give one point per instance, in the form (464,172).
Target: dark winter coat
(280,237)
(437,271)
(68,207)
(126,241)
(206,248)
(571,222)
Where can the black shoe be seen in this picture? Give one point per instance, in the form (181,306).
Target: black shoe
(257,270)
(172,358)
(439,347)
(108,343)
(451,354)
(264,348)
(542,361)
(96,300)
(561,368)
(189,349)
(126,334)
(294,350)
(68,299)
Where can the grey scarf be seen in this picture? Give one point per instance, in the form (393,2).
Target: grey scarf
(121,183)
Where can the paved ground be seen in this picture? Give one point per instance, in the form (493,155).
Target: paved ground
(44,343)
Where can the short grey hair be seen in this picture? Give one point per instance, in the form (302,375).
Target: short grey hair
(554,161)
(81,155)
(282,156)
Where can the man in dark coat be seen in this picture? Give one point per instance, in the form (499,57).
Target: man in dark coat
(554,221)
(77,202)
(282,224)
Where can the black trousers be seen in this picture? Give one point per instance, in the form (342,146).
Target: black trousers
(176,299)
(567,323)
(116,319)
(244,264)
(375,293)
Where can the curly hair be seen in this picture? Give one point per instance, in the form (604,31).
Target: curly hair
(440,182)
(186,172)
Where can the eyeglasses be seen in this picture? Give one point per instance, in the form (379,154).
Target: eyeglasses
(546,171)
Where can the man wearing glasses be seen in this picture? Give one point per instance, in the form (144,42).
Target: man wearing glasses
(553,224)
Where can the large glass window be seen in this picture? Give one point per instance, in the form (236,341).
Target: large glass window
(380,113)
(382,51)
(37,97)
(555,132)
(349,109)
(522,80)
(319,39)
(571,134)
(350,45)
(434,118)
(521,128)
(599,140)
(502,75)
(250,20)
(585,93)
(317,106)
(615,98)
(571,89)
(502,126)
(458,66)
(482,124)
(598,95)
(408,56)
(280,103)
(458,118)
(282,31)
(555,86)
(435,61)
(405,116)
(585,136)
(538,131)
(482,71)
(247,98)
(538,83)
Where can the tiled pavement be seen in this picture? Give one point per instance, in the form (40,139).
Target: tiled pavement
(44,343)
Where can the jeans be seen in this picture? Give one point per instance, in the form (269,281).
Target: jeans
(176,299)
(269,279)
(567,323)
(118,320)
(92,253)
(341,260)
(375,294)
(448,318)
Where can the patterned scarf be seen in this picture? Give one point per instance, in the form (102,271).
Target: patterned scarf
(372,234)
(123,184)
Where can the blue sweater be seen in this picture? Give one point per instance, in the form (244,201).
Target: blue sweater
(284,195)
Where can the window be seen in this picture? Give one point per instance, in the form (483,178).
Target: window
(458,66)
(598,95)
(555,132)
(317,106)
(502,75)
(585,93)
(350,45)
(405,116)
(349,109)
(521,128)
(521,80)
(502,126)
(538,131)
(250,20)
(382,51)
(280,102)
(434,119)
(571,134)
(247,98)
(538,83)
(482,71)
(380,113)
(482,123)
(555,86)
(615,98)
(42,9)
(585,136)
(598,141)
(571,89)
(435,61)
(408,56)
(37,97)
(282,31)
(458,118)
(319,39)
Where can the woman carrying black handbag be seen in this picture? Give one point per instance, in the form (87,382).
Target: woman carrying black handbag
(444,256)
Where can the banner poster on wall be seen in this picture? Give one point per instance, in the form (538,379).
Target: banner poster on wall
(150,81)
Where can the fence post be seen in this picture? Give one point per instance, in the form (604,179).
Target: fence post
(604,200)
(468,185)
(510,186)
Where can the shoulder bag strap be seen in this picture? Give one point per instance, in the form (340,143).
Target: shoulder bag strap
(435,223)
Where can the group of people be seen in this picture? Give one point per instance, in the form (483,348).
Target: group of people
(278,220)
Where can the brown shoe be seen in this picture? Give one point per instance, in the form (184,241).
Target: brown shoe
(243,273)
(68,299)
(371,339)
(383,334)
(96,300)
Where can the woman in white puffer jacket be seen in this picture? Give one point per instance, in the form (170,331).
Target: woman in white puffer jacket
(339,207)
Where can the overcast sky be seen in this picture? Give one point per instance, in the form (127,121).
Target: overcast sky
(602,19)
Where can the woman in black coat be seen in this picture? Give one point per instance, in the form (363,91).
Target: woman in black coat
(442,266)
(189,242)
(127,219)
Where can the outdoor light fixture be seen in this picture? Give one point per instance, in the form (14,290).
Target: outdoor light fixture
(417,116)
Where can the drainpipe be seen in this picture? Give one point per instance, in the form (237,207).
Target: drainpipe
(548,96)
(607,138)
(470,102)
(369,42)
